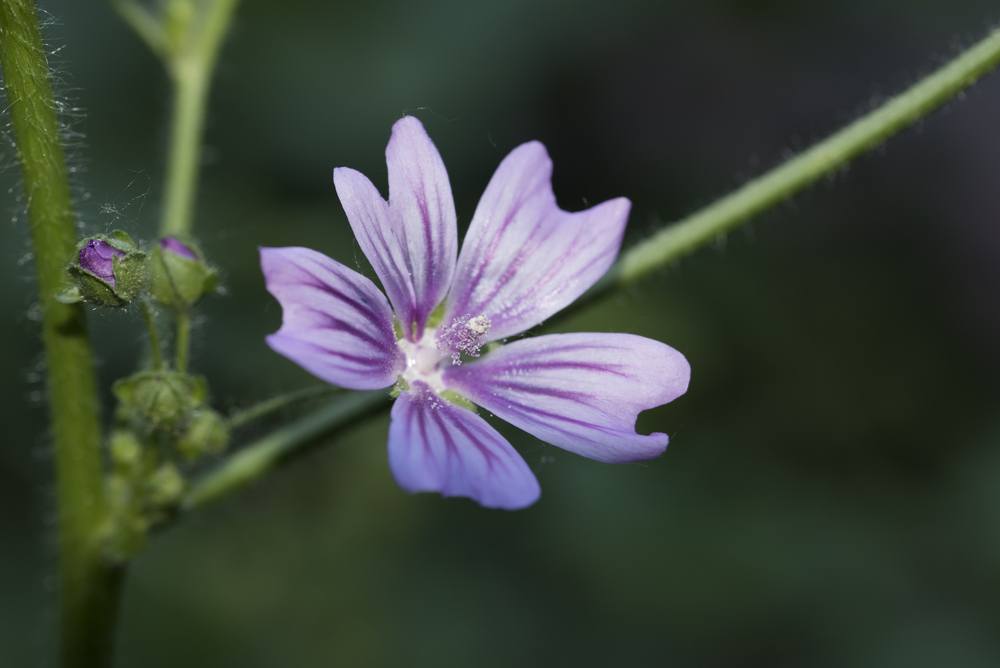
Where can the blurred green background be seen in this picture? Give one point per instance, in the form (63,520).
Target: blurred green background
(831,495)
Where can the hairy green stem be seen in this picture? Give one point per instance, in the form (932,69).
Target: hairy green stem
(805,169)
(182,342)
(88,585)
(155,349)
(689,234)
(259,457)
(275,404)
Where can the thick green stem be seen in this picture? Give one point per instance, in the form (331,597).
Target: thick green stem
(88,585)
(689,234)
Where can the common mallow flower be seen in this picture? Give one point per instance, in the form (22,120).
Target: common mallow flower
(437,336)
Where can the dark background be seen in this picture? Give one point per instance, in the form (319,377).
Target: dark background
(831,495)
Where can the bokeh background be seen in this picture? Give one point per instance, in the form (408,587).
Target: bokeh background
(831,495)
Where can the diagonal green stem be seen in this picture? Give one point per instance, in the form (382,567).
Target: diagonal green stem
(689,234)
(827,156)
(264,455)
(280,402)
(88,585)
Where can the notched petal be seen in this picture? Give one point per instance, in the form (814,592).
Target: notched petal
(581,392)
(335,322)
(411,241)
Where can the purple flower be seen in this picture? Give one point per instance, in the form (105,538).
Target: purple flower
(523,260)
(177,247)
(97,257)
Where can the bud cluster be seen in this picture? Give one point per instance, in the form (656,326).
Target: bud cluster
(164,421)
(163,418)
(113,270)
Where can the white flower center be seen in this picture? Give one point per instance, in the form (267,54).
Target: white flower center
(423,360)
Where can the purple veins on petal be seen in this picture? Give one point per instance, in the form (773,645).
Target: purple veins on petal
(411,240)
(524,258)
(335,322)
(435,446)
(580,392)
(97,257)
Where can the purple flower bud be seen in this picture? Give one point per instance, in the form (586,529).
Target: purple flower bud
(177,247)
(97,257)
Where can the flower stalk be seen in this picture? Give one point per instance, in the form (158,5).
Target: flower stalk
(155,348)
(88,588)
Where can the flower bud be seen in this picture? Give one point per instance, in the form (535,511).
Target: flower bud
(207,434)
(97,257)
(164,488)
(126,452)
(159,400)
(180,276)
(109,271)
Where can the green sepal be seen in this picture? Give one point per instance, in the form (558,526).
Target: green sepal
(159,400)
(435,317)
(177,281)
(69,295)
(457,399)
(399,387)
(91,289)
(207,433)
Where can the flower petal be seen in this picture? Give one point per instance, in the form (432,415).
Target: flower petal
(524,258)
(411,241)
(581,392)
(335,322)
(435,446)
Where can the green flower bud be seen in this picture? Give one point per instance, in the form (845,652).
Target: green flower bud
(164,487)
(126,452)
(159,400)
(110,270)
(179,274)
(207,434)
